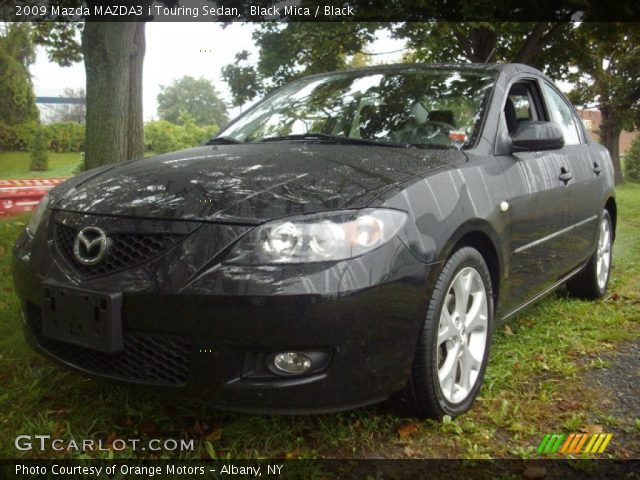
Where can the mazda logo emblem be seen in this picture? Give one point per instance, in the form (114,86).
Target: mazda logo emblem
(90,246)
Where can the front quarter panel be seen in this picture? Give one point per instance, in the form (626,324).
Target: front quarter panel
(447,204)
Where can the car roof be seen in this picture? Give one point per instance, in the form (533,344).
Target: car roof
(506,68)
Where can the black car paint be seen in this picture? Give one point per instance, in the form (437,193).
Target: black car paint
(367,311)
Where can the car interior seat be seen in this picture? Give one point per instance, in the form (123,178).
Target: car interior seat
(510,116)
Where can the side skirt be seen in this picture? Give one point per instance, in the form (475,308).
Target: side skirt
(542,294)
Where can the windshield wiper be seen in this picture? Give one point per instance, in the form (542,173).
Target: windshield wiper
(325,137)
(434,146)
(222,141)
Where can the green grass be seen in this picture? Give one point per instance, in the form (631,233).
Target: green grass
(16,165)
(534,385)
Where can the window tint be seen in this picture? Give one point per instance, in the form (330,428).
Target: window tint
(562,114)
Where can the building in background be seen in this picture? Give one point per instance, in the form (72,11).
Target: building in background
(592,119)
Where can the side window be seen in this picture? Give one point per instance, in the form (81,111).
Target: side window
(520,105)
(562,114)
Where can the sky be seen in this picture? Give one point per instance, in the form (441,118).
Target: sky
(174,50)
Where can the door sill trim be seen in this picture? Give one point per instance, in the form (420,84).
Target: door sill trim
(544,293)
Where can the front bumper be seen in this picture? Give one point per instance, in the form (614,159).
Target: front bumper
(198,327)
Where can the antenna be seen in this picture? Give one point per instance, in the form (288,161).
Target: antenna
(489,56)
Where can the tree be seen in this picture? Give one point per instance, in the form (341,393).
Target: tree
(113,57)
(197,98)
(482,42)
(69,112)
(17,53)
(39,157)
(294,50)
(605,74)
(632,161)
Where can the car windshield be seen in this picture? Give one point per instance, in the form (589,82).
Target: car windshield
(413,106)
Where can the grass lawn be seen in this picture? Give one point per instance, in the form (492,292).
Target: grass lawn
(16,165)
(535,384)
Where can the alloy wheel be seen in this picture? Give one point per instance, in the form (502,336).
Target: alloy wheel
(603,256)
(462,335)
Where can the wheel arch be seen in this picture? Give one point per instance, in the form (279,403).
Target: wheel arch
(480,235)
(611,206)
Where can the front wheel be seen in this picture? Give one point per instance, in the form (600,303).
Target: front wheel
(591,283)
(453,347)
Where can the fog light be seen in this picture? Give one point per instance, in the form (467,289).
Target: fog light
(292,362)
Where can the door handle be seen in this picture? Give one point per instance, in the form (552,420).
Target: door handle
(565,175)
(596,168)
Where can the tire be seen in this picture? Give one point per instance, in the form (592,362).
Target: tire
(592,281)
(443,338)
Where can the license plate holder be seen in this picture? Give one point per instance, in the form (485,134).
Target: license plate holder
(82,317)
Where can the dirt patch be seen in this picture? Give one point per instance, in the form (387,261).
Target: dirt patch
(618,384)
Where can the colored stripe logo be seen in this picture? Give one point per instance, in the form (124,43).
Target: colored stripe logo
(574,443)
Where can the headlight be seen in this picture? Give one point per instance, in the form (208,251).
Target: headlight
(38,213)
(318,237)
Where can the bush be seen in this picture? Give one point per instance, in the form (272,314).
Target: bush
(39,158)
(65,137)
(18,137)
(7,138)
(632,161)
(59,137)
(162,136)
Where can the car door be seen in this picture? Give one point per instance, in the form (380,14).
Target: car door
(537,207)
(582,201)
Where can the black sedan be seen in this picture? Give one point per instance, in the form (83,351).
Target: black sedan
(355,236)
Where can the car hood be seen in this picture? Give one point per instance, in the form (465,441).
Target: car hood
(247,183)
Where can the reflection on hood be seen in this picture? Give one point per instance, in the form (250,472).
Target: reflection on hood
(247,183)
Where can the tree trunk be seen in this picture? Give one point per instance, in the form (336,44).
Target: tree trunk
(483,43)
(610,130)
(113,55)
(532,44)
(136,125)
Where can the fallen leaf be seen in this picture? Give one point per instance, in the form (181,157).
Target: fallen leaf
(566,405)
(507,330)
(215,435)
(408,429)
(409,452)
(592,429)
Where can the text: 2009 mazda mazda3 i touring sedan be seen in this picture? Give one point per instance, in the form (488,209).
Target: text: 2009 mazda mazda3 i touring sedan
(353,236)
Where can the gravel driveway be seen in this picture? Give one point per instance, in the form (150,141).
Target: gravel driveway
(619,387)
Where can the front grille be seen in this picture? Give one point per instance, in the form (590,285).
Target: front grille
(126,250)
(150,358)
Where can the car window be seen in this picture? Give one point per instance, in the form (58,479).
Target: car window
(562,114)
(520,105)
(437,107)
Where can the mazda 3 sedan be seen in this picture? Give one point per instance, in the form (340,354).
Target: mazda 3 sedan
(355,236)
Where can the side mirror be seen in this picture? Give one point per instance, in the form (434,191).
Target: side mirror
(535,136)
